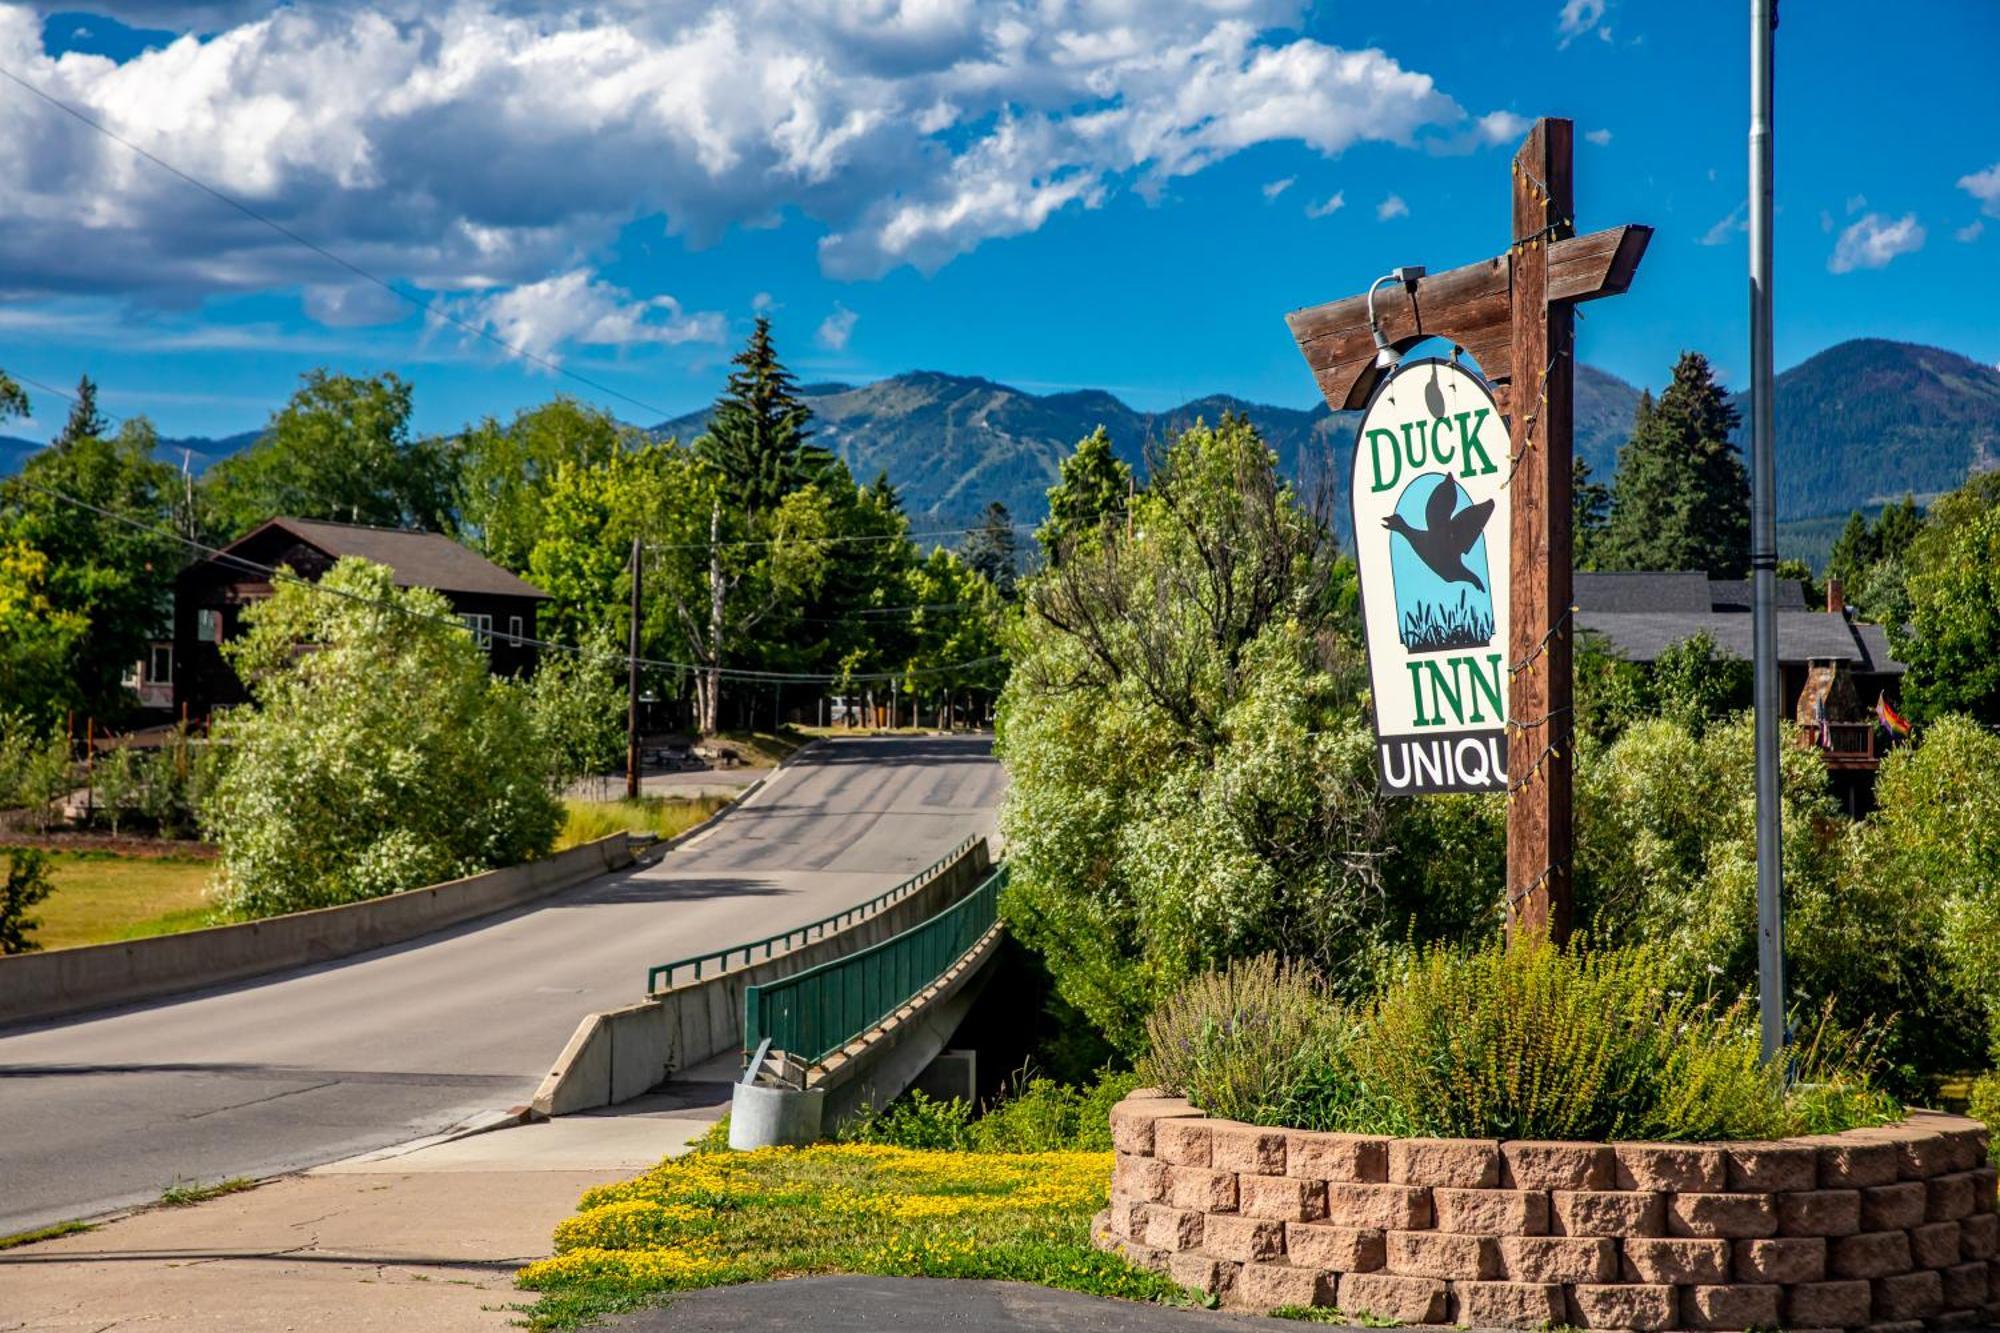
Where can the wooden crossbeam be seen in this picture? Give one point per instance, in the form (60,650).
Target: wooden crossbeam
(1471,306)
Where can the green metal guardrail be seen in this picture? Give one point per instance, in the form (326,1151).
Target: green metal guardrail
(772,945)
(814,1014)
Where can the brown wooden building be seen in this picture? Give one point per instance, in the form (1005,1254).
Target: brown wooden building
(211,595)
(1831,666)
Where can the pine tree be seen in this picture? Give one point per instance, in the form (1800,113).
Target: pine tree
(1854,552)
(85,421)
(1682,496)
(1590,511)
(990,549)
(758,437)
(1092,490)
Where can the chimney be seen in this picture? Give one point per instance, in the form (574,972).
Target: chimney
(1836,600)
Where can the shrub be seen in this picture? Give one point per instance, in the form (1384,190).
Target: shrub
(1985,1105)
(176,780)
(1034,1114)
(1532,1041)
(116,777)
(26,884)
(386,758)
(1240,1037)
(1038,1114)
(916,1121)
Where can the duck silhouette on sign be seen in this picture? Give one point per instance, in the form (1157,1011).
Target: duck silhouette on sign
(1443,594)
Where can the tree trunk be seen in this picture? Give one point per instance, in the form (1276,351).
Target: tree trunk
(709,696)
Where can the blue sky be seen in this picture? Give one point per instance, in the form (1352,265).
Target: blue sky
(1125,194)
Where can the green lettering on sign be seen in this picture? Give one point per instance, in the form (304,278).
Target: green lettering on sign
(1417,697)
(1468,437)
(1375,439)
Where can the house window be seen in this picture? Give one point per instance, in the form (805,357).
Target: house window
(481,627)
(514,629)
(208,626)
(160,666)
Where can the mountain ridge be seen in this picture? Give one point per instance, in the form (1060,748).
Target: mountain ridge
(1859,424)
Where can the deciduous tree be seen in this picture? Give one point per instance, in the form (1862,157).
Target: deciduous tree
(96,514)
(383,756)
(341,449)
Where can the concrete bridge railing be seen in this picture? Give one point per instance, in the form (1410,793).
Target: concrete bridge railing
(617,1054)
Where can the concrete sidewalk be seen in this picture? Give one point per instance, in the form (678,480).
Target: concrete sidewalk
(425,1237)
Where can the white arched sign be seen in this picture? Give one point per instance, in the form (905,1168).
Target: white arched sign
(1430,537)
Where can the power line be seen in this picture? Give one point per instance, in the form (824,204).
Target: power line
(428,307)
(279,574)
(830,541)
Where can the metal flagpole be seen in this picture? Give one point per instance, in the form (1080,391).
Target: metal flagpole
(1764,542)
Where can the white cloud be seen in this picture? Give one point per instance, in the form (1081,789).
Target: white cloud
(1598,137)
(762,302)
(1985,187)
(540,318)
(1855,203)
(1391,207)
(481,145)
(1503,127)
(1873,240)
(1579,17)
(836,329)
(1272,189)
(1328,206)
(1971,231)
(1726,227)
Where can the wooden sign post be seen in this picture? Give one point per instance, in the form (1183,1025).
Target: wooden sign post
(1513,315)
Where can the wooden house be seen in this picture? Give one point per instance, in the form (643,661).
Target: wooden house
(211,595)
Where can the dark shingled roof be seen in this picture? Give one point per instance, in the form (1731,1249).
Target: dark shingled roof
(1803,636)
(1677,590)
(1645,613)
(419,559)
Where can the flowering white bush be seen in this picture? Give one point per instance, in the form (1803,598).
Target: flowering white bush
(380,753)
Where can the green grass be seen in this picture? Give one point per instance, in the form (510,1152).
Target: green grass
(662,816)
(717,1218)
(185,1194)
(46,1233)
(763,749)
(102,897)
(1326,1314)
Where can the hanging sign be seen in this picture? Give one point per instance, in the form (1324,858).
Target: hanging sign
(1430,538)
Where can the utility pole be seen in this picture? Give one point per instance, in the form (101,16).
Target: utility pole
(632,682)
(1764,543)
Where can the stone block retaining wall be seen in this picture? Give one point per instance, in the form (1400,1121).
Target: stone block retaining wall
(1893,1229)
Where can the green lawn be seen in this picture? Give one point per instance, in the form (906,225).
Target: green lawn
(102,896)
(662,816)
(720,1217)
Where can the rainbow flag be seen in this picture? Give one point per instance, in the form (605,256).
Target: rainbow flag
(1892,721)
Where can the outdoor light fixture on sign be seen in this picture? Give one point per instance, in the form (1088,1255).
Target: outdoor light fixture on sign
(1431,540)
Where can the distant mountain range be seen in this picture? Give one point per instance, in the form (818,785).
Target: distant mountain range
(1858,425)
(954,443)
(200,450)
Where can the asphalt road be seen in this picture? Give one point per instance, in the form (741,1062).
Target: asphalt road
(917,1305)
(309,1066)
